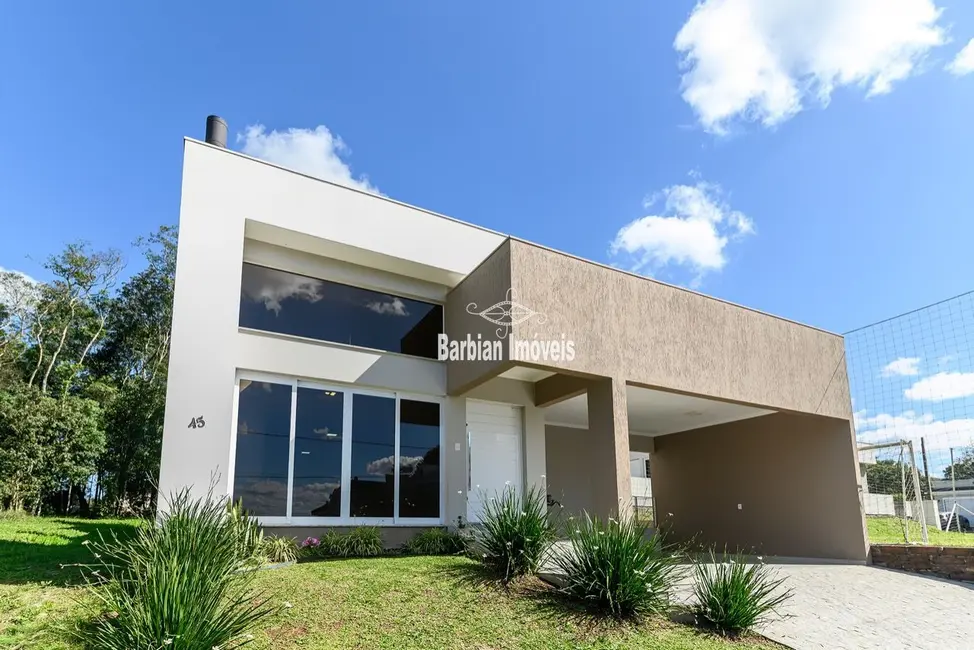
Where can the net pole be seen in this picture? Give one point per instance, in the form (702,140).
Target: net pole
(919,496)
(926,468)
(906,516)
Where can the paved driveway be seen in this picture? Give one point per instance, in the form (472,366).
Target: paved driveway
(848,607)
(840,607)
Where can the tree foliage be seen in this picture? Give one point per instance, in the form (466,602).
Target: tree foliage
(886,477)
(963,467)
(83,367)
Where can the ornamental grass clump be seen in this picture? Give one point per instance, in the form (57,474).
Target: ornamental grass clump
(612,568)
(436,541)
(279,550)
(364,541)
(735,595)
(179,584)
(516,533)
(247,533)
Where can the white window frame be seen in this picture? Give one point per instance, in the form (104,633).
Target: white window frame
(348,392)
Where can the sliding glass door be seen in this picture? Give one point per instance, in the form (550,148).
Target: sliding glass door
(373,485)
(318,439)
(309,454)
(263,434)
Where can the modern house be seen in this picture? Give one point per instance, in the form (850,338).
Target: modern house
(340,358)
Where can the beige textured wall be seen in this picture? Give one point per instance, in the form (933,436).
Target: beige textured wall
(485,286)
(569,454)
(571,473)
(795,477)
(656,335)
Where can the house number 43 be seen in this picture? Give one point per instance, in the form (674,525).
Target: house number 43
(197,423)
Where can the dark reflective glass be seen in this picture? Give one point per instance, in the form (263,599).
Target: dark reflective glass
(263,442)
(318,454)
(286,303)
(373,456)
(419,459)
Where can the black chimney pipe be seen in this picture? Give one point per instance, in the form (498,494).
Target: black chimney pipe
(216,131)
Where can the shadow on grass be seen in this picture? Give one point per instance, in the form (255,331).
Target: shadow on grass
(550,603)
(41,549)
(545,601)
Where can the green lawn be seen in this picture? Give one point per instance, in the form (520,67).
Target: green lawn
(889,530)
(393,602)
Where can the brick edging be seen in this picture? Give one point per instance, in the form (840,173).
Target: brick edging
(951,562)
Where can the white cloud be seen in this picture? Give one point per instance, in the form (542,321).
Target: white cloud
(942,386)
(387,465)
(394,307)
(904,366)
(760,60)
(317,152)
(938,435)
(963,63)
(692,230)
(273,287)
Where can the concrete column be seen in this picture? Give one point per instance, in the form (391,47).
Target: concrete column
(608,423)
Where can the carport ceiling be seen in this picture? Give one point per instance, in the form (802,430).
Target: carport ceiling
(656,413)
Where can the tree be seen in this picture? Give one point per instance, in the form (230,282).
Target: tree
(18,301)
(83,378)
(963,467)
(73,310)
(139,329)
(46,445)
(886,477)
(134,356)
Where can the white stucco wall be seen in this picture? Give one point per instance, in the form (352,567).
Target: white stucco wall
(227,197)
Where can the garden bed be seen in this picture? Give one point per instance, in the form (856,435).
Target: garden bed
(388,602)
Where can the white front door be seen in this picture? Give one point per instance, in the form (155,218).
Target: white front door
(494,436)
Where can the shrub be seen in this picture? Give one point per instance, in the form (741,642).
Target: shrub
(177,584)
(436,541)
(364,541)
(247,534)
(310,547)
(612,567)
(735,595)
(278,550)
(331,544)
(516,533)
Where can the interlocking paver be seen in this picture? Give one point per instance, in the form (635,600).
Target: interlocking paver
(847,607)
(855,607)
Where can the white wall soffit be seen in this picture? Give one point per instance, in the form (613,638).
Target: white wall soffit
(340,222)
(654,412)
(327,267)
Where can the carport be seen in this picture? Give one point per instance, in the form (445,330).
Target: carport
(722,474)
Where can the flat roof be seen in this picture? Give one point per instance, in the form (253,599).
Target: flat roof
(382,197)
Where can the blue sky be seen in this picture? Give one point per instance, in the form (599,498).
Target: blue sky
(811,159)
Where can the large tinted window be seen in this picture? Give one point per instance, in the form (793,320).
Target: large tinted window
(318,430)
(373,456)
(282,302)
(419,459)
(263,442)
